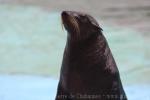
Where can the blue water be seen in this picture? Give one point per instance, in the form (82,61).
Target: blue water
(24,87)
(27,88)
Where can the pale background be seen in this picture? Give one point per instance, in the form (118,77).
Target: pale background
(32,43)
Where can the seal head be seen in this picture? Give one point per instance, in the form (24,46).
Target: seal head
(76,24)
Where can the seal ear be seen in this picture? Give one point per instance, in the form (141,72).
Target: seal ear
(94,22)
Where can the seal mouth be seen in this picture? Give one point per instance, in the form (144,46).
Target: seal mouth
(70,22)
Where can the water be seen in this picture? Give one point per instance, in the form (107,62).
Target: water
(25,87)
(33,37)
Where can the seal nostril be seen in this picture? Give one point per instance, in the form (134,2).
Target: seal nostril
(64,14)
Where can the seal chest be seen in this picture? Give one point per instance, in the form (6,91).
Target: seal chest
(88,68)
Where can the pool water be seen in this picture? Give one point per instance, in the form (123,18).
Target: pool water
(25,87)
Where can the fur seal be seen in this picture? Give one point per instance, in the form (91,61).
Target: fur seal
(88,70)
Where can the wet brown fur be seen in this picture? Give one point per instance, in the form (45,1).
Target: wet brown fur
(88,69)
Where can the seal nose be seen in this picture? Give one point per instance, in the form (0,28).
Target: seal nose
(64,14)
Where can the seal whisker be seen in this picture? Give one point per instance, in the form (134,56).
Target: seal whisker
(75,24)
(62,26)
